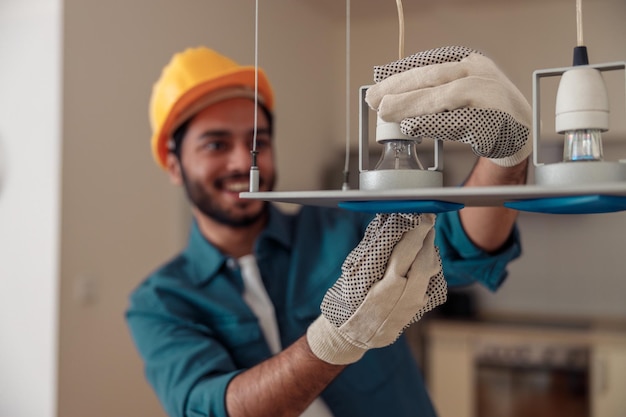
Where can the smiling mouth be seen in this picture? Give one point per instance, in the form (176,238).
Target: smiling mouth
(234,183)
(237,187)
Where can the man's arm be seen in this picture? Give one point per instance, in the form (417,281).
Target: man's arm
(284,385)
(489,227)
(388,281)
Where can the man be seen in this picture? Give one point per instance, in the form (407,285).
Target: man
(232,326)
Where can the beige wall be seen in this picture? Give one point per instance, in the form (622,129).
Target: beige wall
(120,218)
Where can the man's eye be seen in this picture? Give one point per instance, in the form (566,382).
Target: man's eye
(214,146)
(263,142)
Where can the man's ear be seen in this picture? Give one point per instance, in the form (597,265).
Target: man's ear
(173,169)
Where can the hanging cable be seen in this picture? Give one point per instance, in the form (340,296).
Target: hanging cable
(400,29)
(579,23)
(254,169)
(580,51)
(346,169)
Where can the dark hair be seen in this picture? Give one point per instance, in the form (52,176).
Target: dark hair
(181,131)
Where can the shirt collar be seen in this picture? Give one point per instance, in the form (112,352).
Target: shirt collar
(206,260)
(279,228)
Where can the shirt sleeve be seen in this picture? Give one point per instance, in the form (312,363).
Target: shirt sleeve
(464,263)
(187,367)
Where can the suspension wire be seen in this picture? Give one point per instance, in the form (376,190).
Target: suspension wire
(254,169)
(400,29)
(346,169)
(256,73)
(579,23)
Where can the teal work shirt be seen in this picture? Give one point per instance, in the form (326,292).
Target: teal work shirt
(195,332)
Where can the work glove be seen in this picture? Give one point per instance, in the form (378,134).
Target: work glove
(455,93)
(388,281)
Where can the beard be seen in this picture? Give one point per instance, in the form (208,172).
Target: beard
(201,199)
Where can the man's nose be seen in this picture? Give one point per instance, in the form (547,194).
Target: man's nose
(240,157)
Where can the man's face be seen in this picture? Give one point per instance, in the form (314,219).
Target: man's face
(215,161)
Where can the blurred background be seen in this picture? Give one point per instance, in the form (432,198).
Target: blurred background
(85,214)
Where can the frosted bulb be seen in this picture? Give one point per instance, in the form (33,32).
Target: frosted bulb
(583,145)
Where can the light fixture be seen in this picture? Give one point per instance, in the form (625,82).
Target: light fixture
(584,182)
(581,115)
(399,166)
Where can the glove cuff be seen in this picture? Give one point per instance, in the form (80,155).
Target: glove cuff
(516,158)
(330,345)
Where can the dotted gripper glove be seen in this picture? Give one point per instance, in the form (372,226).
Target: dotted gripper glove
(455,93)
(388,281)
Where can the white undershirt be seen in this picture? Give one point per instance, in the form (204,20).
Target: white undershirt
(255,295)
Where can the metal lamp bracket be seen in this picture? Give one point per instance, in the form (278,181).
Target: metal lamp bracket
(553,72)
(364,137)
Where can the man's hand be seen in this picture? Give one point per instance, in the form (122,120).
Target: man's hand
(388,281)
(455,93)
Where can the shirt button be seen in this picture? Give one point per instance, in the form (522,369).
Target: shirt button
(232,263)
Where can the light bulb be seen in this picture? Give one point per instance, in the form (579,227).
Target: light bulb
(398,166)
(582,113)
(398,154)
(583,145)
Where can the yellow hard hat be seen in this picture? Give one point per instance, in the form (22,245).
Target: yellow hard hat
(187,81)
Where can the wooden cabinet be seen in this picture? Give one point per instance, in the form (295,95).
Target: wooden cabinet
(608,379)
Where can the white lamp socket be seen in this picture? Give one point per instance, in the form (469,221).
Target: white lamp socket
(582,101)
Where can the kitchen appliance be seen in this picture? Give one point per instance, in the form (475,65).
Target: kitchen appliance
(516,368)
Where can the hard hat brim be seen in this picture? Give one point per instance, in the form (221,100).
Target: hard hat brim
(239,77)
